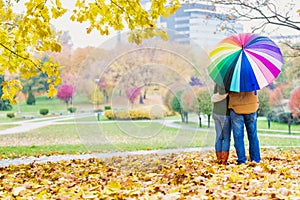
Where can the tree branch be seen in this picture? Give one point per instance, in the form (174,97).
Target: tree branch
(16,54)
(258,13)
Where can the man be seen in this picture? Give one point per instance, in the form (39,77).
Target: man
(243,111)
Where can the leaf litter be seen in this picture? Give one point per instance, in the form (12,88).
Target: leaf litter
(193,175)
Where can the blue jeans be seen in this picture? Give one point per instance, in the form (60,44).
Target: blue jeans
(238,121)
(223,132)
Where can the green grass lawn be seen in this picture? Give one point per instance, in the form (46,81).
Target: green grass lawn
(53,104)
(262,126)
(262,123)
(7,126)
(111,137)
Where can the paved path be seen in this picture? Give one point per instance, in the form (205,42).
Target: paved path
(55,158)
(31,124)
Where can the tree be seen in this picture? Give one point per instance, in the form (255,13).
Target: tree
(294,102)
(34,84)
(25,36)
(65,93)
(264,13)
(4,104)
(132,94)
(30,99)
(195,81)
(37,83)
(104,86)
(276,98)
(205,104)
(97,98)
(264,102)
(263,16)
(177,104)
(193,100)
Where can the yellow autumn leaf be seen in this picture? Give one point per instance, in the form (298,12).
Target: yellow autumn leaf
(114,186)
(91,195)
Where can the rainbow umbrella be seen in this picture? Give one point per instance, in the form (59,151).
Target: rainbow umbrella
(245,62)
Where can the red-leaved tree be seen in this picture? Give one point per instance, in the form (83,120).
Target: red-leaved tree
(133,93)
(294,102)
(103,86)
(276,97)
(65,92)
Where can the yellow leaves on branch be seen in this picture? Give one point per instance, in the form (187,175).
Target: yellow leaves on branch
(117,14)
(10,89)
(24,38)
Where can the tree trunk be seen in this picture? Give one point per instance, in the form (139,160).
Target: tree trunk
(141,99)
(67,103)
(145,92)
(105,96)
(208,125)
(200,123)
(186,117)
(182,115)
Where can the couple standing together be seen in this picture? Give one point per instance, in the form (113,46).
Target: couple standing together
(233,110)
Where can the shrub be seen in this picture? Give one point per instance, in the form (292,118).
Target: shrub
(10,115)
(72,109)
(31,99)
(282,117)
(44,111)
(109,114)
(132,114)
(170,113)
(107,107)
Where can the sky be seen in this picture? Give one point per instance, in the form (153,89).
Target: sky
(76,30)
(80,38)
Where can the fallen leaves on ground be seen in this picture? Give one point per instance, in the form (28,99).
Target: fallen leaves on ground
(194,175)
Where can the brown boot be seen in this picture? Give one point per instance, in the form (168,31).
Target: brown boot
(225,156)
(219,157)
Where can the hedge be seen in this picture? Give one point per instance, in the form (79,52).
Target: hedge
(133,114)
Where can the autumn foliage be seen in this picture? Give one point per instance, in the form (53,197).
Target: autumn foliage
(193,175)
(276,97)
(26,37)
(65,92)
(294,102)
(133,93)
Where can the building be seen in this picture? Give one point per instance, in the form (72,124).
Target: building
(293,39)
(200,23)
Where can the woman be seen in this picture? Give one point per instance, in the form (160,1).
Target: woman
(221,116)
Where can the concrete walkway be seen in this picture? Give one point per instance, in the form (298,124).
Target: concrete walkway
(31,124)
(67,157)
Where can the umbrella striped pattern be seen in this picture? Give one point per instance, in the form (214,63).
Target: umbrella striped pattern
(245,62)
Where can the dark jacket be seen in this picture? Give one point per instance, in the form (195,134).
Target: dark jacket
(221,104)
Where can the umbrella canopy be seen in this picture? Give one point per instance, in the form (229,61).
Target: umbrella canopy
(245,62)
